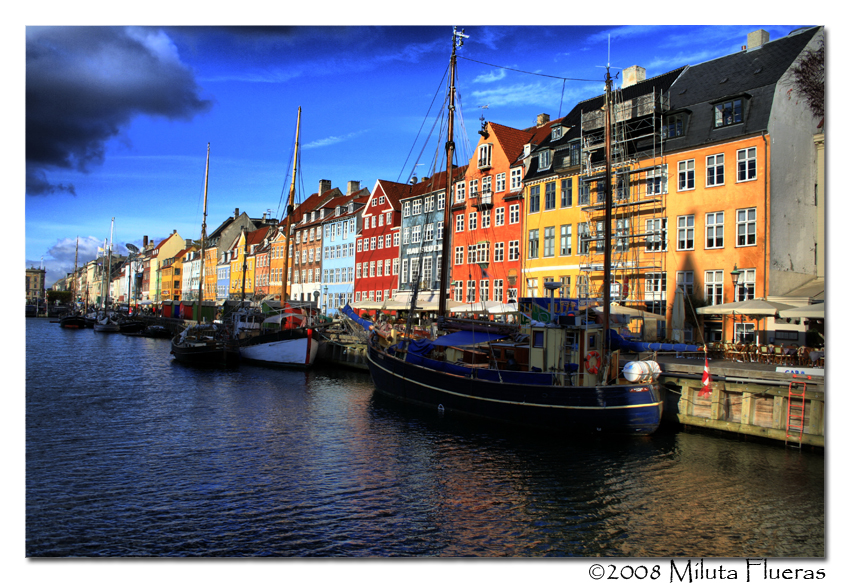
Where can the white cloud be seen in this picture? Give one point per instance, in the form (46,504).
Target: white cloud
(490,77)
(331,140)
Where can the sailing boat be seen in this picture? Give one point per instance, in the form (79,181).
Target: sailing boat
(205,344)
(284,339)
(74,320)
(533,379)
(106,321)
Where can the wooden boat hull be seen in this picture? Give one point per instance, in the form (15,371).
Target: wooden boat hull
(633,409)
(288,348)
(212,354)
(73,322)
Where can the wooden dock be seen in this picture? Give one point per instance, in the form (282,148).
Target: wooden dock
(747,398)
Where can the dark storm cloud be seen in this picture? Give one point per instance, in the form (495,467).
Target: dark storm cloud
(84,86)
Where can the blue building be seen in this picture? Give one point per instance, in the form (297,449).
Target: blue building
(340,227)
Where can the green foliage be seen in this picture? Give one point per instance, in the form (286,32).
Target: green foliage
(64,297)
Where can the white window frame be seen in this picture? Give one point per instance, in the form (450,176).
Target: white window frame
(713,225)
(713,286)
(746,226)
(687,175)
(685,229)
(714,170)
(747,169)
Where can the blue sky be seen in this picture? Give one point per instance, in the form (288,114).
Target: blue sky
(118,119)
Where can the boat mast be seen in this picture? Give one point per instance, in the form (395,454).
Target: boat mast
(108,267)
(289,209)
(457,42)
(606,281)
(203,236)
(74,289)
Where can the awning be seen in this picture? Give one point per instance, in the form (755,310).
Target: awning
(467,338)
(815,311)
(757,307)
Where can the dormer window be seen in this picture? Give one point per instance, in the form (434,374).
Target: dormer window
(526,150)
(312,216)
(673,126)
(544,159)
(337,211)
(557,133)
(728,113)
(485,155)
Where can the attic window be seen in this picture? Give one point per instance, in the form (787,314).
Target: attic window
(544,159)
(728,113)
(337,211)
(557,132)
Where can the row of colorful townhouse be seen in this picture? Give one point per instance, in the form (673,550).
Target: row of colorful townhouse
(718,193)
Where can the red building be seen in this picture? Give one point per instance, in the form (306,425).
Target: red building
(487,211)
(376,264)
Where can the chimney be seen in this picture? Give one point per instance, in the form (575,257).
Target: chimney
(236,213)
(144,241)
(757,38)
(174,232)
(542,119)
(324,186)
(632,75)
(353,186)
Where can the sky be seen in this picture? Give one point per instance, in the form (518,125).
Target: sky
(118,118)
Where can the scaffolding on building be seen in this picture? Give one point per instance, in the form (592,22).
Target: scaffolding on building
(639,225)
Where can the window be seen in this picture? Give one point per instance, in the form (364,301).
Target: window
(426,270)
(656,181)
(485,219)
(686,175)
(429,232)
(416,235)
(685,230)
(470,291)
(499,290)
(513,214)
(404,271)
(685,280)
(557,132)
(533,242)
(380,272)
(500,182)
(600,239)
(395,239)
(583,238)
(380,223)
(372,243)
(745,332)
(673,126)
(459,224)
(714,287)
(387,240)
(549,199)
(371,269)
(486,187)
(544,159)
(485,153)
(405,209)
(714,170)
(473,221)
(531,287)
(621,236)
(484,292)
(500,216)
(513,250)
(714,230)
(656,284)
(458,290)
(746,227)
(565,286)
(746,289)
(405,235)
(473,188)
(516,178)
(417,207)
(380,243)
(746,164)
(395,266)
(387,267)
(441,201)
(566,239)
(479,253)
(499,252)
(549,242)
(583,193)
(359,270)
(429,204)
(566,193)
(359,245)
(440,230)
(458,255)
(728,113)
(575,153)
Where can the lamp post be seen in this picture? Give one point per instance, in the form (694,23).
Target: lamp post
(325,301)
(736,275)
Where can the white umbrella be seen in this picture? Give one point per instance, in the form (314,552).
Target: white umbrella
(810,311)
(757,307)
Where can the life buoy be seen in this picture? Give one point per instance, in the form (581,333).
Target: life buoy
(597,360)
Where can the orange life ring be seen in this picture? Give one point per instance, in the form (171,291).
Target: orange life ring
(597,360)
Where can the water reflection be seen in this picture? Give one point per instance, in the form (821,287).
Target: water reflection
(132,454)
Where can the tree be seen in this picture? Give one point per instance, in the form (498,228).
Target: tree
(808,77)
(64,297)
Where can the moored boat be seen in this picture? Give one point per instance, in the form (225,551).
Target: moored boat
(284,339)
(561,376)
(205,345)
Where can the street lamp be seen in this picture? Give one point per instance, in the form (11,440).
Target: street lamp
(325,301)
(736,275)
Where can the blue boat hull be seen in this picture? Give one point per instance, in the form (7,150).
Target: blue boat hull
(633,409)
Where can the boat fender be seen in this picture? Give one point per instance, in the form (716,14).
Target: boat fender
(592,362)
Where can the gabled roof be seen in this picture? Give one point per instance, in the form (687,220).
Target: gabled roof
(431,184)
(359,197)
(751,75)
(511,140)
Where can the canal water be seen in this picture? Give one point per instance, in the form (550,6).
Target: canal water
(130,454)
